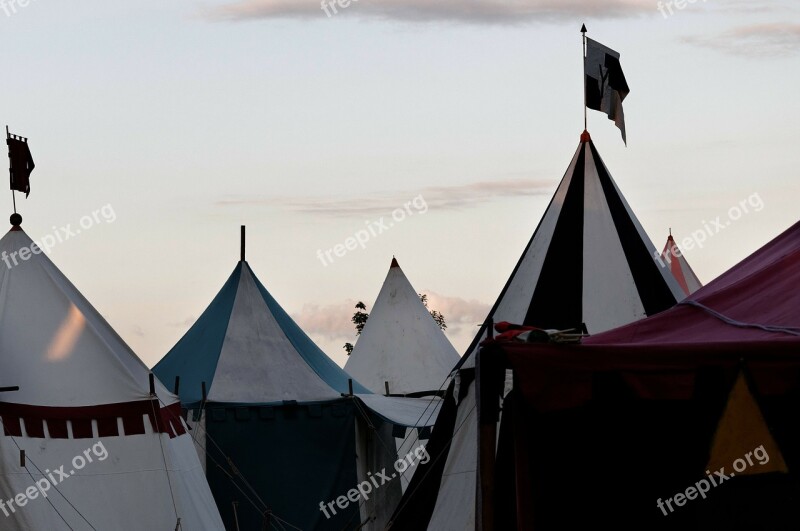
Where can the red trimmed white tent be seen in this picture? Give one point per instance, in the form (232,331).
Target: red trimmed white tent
(674,259)
(401,343)
(82,387)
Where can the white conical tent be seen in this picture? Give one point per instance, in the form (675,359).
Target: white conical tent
(589,263)
(82,388)
(246,349)
(401,343)
(679,267)
(280,409)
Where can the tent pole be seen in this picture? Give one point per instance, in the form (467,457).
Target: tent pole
(235,514)
(13,195)
(488,416)
(583,60)
(242,244)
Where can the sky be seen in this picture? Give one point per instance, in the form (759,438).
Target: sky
(170,124)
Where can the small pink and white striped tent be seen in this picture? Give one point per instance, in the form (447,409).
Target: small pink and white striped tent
(674,259)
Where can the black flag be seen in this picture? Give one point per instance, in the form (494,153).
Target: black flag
(21,163)
(605,83)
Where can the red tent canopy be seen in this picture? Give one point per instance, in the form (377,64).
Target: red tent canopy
(749,314)
(650,396)
(756,300)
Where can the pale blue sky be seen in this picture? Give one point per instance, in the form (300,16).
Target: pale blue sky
(190,122)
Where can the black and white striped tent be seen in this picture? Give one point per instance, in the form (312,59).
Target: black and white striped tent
(589,263)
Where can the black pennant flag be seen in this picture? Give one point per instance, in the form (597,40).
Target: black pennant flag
(21,163)
(605,83)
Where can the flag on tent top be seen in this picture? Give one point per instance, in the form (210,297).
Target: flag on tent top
(605,83)
(21,162)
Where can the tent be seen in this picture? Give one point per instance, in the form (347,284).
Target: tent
(283,429)
(589,265)
(401,343)
(640,414)
(672,257)
(104,443)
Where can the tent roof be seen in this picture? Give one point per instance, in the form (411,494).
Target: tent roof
(248,350)
(55,346)
(756,300)
(80,385)
(674,259)
(401,343)
(589,260)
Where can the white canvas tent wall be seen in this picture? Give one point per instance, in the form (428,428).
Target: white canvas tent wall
(80,386)
(401,343)
(589,263)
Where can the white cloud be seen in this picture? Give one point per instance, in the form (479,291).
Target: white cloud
(454,11)
(462,316)
(330,321)
(756,40)
(331,327)
(436,197)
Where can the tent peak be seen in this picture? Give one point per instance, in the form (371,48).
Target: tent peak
(394,263)
(585,137)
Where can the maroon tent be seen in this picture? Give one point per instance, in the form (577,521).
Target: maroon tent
(605,432)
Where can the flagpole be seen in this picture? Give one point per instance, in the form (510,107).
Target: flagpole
(13,196)
(583,60)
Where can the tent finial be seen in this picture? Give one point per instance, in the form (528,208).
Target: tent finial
(242,245)
(16,220)
(394,263)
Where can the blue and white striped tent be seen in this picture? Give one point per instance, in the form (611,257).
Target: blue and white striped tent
(273,416)
(246,349)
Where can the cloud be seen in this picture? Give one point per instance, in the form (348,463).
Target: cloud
(436,197)
(777,39)
(747,6)
(458,312)
(331,321)
(453,11)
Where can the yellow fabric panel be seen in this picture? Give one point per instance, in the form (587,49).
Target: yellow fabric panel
(742,430)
